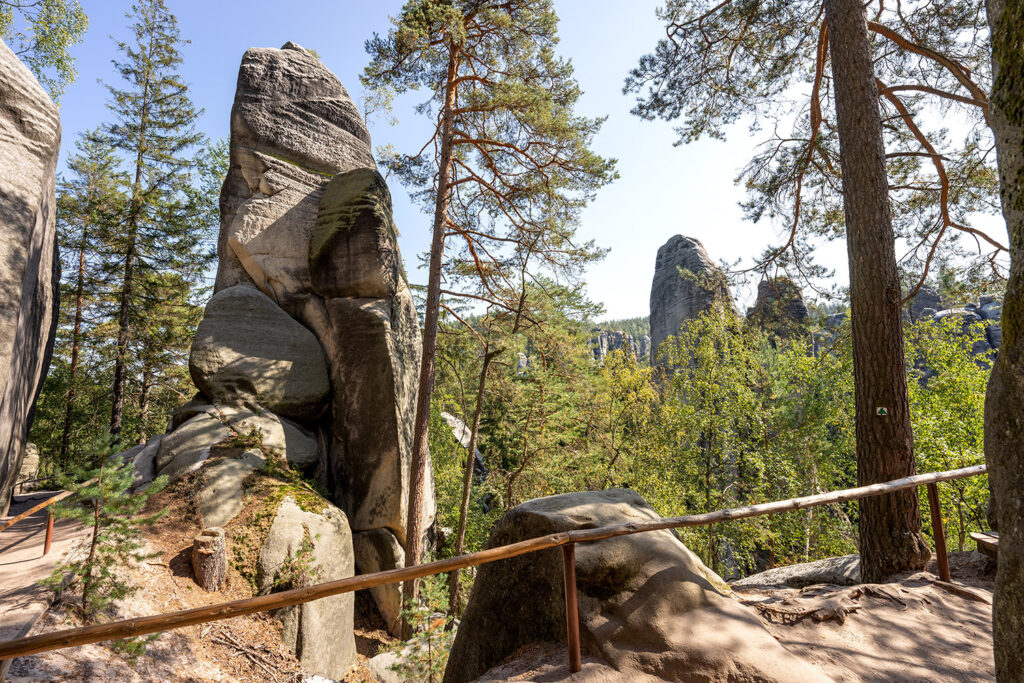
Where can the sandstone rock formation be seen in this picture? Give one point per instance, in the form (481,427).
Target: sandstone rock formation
(308,352)
(779,308)
(30,277)
(248,352)
(647,605)
(675,298)
(302,548)
(606,341)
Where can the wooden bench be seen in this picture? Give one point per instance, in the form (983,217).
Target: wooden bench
(988,542)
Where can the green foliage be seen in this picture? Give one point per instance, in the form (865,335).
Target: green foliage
(947,403)
(424,656)
(41,33)
(766,63)
(137,215)
(298,569)
(103,501)
(521,164)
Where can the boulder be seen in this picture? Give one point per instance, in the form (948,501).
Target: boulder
(144,462)
(280,436)
(319,543)
(29,464)
(219,497)
(647,605)
(373,351)
(676,299)
(248,352)
(29,280)
(186,448)
(842,571)
(293,127)
(372,343)
(378,550)
(353,251)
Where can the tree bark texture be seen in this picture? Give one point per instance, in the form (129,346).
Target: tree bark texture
(209,558)
(1004,411)
(890,526)
(417,477)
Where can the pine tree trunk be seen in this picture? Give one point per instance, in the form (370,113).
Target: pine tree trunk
(144,395)
(123,321)
(417,477)
(890,525)
(124,312)
(76,337)
(1004,412)
(467,479)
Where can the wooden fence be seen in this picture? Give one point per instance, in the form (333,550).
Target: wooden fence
(566,539)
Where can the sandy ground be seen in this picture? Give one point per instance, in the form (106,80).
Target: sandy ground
(22,563)
(912,630)
(241,649)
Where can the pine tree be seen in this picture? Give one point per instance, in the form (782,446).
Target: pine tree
(723,61)
(89,200)
(105,504)
(1004,421)
(155,130)
(508,161)
(890,525)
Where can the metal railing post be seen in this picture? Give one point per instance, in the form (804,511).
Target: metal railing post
(49,530)
(572,612)
(940,536)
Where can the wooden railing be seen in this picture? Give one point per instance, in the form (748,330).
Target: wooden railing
(49,517)
(566,539)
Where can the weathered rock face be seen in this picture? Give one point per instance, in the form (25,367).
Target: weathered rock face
(370,336)
(675,299)
(293,127)
(29,143)
(647,605)
(312,320)
(606,341)
(779,308)
(307,546)
(248,352)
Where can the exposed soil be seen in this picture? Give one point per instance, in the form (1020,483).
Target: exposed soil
(241,649)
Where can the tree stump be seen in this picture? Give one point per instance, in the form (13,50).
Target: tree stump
(209,558)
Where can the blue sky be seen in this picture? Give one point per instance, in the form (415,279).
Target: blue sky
(663,190)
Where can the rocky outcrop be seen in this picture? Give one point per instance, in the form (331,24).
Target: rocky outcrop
(779,308)
(462,434)
(306,547)
(293,127)
(248,352)
(308,352)
(30,277)
(647,605)
(677,297)
(606,341)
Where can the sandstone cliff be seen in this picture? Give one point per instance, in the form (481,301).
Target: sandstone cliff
(30,276)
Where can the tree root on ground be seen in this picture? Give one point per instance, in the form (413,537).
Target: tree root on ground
(794,610)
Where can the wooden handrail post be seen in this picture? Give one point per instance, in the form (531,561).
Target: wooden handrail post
(572,611)
(49,530)
(941,557)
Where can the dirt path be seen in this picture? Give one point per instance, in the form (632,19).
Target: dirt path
(23,565)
